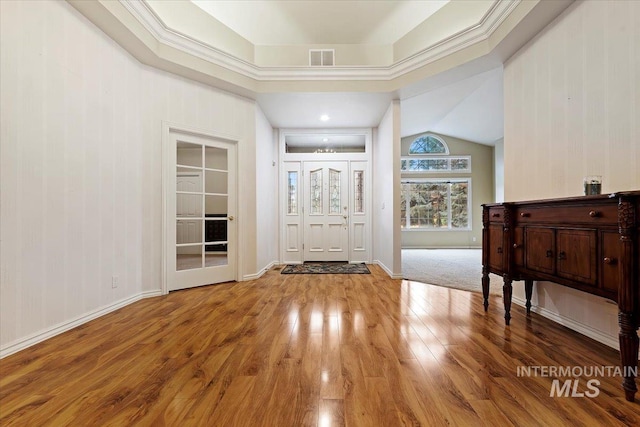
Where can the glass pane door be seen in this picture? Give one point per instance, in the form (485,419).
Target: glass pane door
(201,219)
(201,187)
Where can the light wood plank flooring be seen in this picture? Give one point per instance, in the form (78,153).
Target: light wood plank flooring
(308,350)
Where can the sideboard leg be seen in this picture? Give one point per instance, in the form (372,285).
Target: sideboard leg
(506,296)
(485,287)
(628,352)
(627,295)
(528,290)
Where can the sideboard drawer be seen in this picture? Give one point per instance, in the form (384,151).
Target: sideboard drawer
(602,214)
(496,214)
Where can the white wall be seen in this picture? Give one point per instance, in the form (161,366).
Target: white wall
(498,170)
(267,236)
(386,194)
(345,55)
(81,169)
(572,107)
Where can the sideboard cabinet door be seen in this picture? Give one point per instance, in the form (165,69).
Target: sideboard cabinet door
(610,261)
(539,249)
(496,256)
(577,255)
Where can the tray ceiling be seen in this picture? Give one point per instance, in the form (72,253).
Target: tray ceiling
(321,22)
(447,74)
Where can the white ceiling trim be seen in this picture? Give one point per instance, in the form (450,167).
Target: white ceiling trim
(471,35)
(477,33)
(173,38)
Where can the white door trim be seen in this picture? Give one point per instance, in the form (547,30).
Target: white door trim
(294,162)
(167,129)
(292,226)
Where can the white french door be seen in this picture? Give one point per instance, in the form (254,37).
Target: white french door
(200,186)
(326,211)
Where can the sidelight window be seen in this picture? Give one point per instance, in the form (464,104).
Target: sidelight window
(358,183)
(292,190)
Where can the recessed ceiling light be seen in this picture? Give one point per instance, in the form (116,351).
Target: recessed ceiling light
(325,139)
(324,117)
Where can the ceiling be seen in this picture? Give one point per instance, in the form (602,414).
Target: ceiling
(344,109)
(468,108)
(321,22)
(449,84)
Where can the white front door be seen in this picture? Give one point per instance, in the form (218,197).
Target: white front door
(200,235)
(326,211)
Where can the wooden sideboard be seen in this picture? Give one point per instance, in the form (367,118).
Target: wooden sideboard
(589,243)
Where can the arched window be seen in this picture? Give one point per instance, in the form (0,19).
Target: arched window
(428,144)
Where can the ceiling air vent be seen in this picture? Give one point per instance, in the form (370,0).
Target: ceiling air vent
(321,57)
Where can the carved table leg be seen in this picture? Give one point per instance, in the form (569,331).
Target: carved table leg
(528,290)
(485,287)
(506,296)
(627,297)
(628,352)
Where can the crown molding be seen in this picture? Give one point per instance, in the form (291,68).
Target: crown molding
(470,36)
(163,34)
(458,41)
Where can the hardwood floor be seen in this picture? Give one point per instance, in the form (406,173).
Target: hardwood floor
(316,350)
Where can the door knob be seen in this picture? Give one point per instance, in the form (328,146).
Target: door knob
(231,218)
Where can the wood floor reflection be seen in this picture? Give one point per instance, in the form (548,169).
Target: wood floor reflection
(308,350)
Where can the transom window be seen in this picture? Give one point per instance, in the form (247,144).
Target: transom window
(455,164)
(430,204)
(428,144)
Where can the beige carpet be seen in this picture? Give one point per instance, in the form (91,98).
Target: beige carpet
(453,268)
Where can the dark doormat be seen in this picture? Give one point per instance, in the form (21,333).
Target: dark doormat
(325,268)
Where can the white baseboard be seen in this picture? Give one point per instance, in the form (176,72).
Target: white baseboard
(441,247)
(260,273)
(586,330)
(387,270)
(38,337)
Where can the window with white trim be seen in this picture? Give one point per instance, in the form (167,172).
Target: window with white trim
(451,164)
(428,144)
(435,204)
